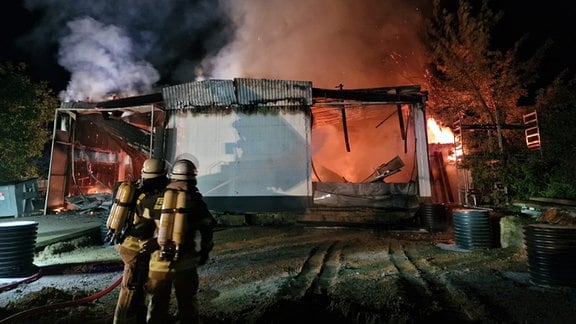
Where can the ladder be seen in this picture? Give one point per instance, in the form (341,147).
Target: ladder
(457,132)
(532,131)
(466,194)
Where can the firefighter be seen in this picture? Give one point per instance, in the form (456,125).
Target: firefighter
(138,242)
(184,235)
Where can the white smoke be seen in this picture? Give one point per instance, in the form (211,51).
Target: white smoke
(101,61)
(123,46)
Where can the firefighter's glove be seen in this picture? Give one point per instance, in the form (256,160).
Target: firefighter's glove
(148,246)
(203,258)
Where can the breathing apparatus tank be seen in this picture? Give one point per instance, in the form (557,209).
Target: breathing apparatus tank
(120,211)
(180,223)
(166,226)
(172,228)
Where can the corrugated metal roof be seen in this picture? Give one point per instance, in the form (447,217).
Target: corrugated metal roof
(243,92)
(273,92)
(207,93)
(77,104)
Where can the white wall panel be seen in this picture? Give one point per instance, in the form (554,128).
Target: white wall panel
(239,154)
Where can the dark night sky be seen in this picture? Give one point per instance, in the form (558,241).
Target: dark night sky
(33,30)
(541,20)
(16,22)
(554,19)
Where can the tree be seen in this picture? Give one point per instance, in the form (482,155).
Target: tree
(472,80)
(556,107)
(26,110)
(550,173)
(467,75)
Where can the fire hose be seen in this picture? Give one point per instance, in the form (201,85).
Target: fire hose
(71,303)
(28,279)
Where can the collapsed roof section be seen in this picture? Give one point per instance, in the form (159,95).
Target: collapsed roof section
(130,121)
(410,94)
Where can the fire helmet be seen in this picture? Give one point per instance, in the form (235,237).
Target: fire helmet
(183,170)
(153,168)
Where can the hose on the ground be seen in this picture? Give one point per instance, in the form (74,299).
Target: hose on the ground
(28,279)
(81,301)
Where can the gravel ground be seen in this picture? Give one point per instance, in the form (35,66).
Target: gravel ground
(295,273)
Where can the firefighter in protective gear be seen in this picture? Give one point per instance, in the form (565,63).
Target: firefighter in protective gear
(138,244)
(174,265)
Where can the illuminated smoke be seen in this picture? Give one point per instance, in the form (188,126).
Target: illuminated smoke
(101,61)
(367,43)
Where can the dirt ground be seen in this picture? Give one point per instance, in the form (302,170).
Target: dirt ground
(297,273)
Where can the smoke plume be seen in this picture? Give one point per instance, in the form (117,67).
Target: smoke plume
(367,43)
(126,46)
(130,46)
(101,60)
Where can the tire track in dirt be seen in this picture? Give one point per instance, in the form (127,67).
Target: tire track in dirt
(329,270)
(408,271)
(317,274)
(453,299)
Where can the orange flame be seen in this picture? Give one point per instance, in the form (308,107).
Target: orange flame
(438,134)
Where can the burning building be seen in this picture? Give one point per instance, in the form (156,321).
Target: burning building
(261,145)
